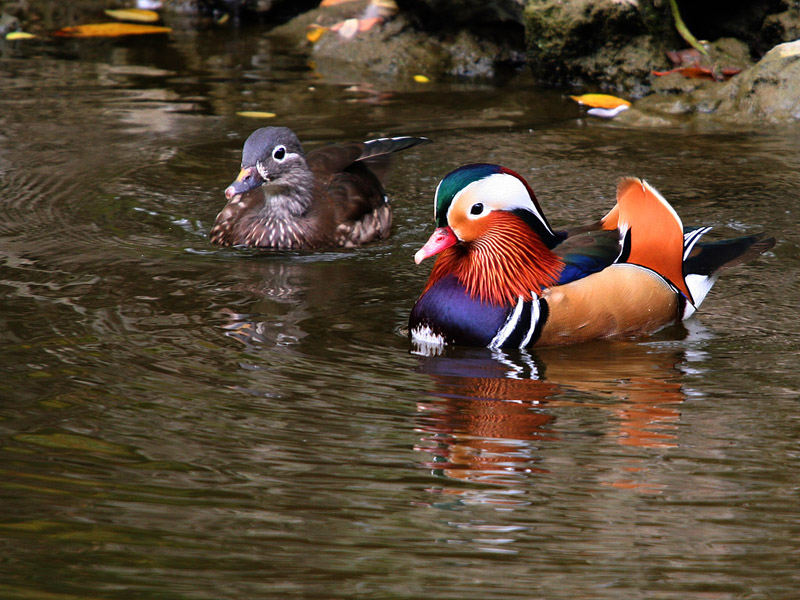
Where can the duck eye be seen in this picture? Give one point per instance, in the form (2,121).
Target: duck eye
(476,209)
(279,153)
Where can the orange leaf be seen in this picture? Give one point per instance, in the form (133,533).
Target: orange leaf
(314,32)
(109,30)
(600,101)
(696,72)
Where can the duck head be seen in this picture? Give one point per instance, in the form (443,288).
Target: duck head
(270,155)
(470,205)
(492,235)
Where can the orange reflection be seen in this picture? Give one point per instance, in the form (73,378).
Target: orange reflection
(491,412)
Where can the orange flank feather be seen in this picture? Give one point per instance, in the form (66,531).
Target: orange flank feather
(655,228)
(506,262)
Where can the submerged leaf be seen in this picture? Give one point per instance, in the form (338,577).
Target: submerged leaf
(110,30)
(133,14)
(601,101)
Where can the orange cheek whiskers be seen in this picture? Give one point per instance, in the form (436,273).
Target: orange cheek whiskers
(506,262)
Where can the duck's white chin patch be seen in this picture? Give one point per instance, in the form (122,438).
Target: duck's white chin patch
(426,341)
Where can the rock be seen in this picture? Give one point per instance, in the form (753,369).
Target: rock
(449,14)
(767,92)
(611,42)
(396,49)
(781,27)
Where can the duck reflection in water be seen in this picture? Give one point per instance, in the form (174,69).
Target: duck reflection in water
(276,297)
(492,414)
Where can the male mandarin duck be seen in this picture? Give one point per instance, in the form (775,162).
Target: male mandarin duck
(285,199)
(505,279)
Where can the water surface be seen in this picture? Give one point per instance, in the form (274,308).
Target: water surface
(182,421)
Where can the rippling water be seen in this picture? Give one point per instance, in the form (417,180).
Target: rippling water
(180,421)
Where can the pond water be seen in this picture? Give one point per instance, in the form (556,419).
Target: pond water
(183,421)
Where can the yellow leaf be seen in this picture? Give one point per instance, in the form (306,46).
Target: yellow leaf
(315,32)
(19,35)
(109,30)
(600,101)
(256,114)
(133,14)
(421,79)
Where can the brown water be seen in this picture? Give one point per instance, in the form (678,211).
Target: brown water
(180,421)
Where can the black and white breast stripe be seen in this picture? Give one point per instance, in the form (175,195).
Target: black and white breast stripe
(523,326)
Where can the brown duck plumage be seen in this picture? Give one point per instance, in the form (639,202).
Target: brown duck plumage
(283,199)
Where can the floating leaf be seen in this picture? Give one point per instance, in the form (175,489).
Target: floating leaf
(256,114)
(421,79)
(19,35)
(133,14)
(315,32)
(334,2)
(110,30)
(605,101)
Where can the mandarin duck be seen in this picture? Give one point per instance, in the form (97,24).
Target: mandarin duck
(285,199)
(504,278)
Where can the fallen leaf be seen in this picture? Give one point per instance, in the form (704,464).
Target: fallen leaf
(19,35)
(601,101)
(256,114)
(347,29)
(421,79)
(369,23)
(334,2)
(697,72)
(109,30)
(133,14)
(315,32)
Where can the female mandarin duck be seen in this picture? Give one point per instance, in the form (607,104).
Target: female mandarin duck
(505,279)
(285,199)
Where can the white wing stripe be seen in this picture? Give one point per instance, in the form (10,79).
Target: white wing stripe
(534,321)
(508,328)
